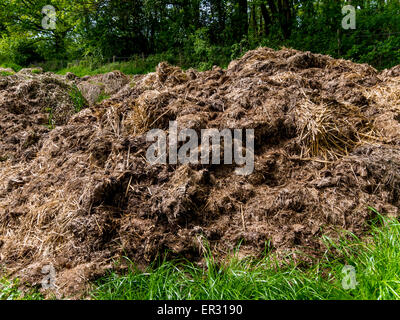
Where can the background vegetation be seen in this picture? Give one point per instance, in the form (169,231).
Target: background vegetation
(191,33)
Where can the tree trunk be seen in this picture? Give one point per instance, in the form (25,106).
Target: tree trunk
(243,19)
(267,18)
(285,17)
(254,21)
(272,7)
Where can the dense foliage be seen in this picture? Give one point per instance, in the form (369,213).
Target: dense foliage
(197,33)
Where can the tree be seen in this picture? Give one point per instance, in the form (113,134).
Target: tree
(23,20)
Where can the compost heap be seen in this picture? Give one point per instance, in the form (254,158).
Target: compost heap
(79,193)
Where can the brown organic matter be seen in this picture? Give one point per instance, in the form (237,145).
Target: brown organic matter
(81,196)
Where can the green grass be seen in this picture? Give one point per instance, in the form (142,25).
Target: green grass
(136,65)
(50,124)
(376,263)
(36,71)
(9,290)
(102,96)
(125,67)
(139,65)
(77,98)
(6,73)
(10,65)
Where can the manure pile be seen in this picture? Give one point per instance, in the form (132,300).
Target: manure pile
(81,195)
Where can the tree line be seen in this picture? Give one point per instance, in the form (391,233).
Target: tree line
(200,32)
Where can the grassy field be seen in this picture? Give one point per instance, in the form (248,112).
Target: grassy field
(128,67)
(376,264)
(136,65)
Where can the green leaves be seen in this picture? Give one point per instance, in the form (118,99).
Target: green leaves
(200,32)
